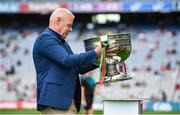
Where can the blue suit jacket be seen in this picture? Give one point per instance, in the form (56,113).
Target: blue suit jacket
(57,70)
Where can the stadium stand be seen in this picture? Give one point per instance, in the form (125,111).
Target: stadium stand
(154,62)
(150,45)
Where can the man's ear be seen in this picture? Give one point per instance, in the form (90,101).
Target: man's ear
(59,20)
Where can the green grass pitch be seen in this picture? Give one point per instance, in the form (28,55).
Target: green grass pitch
(26,111)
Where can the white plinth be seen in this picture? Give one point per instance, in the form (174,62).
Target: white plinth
(122,106)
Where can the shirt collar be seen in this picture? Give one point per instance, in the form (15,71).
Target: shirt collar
(56,34)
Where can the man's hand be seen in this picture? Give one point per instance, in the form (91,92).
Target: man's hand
(110,51)
(84,104)
(98,50)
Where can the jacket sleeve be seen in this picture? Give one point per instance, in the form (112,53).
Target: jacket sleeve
(55,51)
(86,67)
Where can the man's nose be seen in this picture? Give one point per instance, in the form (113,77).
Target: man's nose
(70,29)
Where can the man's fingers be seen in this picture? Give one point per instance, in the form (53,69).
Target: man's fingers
(111,46)
(112,49)
(98,50)
(111,54)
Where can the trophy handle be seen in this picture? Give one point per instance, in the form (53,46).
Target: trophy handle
(123,69)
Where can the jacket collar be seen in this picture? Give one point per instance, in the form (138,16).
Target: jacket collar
(56,34)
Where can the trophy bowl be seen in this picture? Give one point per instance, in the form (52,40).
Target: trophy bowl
(122,42)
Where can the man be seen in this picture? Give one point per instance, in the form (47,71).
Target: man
(57,68)
(88,87)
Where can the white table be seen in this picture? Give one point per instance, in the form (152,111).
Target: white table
(122,106)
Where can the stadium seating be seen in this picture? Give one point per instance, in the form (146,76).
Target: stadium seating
(153,63)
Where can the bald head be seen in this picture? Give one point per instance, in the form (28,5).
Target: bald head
(59,12)
(61,21)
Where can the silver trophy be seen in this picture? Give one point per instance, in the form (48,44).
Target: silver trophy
(115,67)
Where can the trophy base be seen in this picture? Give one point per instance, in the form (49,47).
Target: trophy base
(116,78)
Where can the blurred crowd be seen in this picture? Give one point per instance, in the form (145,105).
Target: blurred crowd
(154,61)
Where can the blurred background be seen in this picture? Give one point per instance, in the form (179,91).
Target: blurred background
(154,62)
